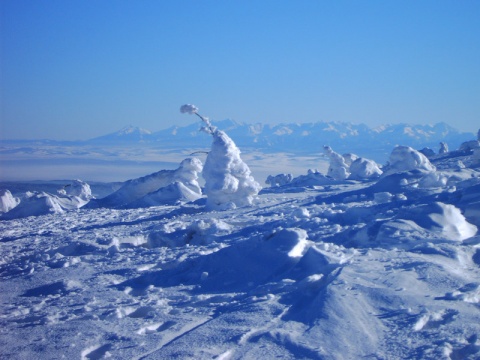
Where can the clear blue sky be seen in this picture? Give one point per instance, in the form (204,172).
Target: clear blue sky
(79,69)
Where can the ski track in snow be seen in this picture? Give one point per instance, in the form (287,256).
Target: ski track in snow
(319,272)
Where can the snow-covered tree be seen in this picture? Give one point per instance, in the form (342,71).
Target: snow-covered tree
(228,180)
(338,168)
(404,158)
(443,148)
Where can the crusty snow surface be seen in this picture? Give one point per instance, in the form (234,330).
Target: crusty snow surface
(387,268)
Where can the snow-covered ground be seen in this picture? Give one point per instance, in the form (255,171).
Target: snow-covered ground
(319,268)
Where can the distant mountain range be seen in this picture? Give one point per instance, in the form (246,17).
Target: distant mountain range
(375,143)
(307,138)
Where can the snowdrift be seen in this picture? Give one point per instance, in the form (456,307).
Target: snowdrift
(72,196)
(162,187)
(384,267)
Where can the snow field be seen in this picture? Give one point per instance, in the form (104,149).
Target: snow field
(313,267)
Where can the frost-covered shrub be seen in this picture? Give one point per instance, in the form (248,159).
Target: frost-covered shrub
(7,201)
(79,189)
(279,180)
(404,158)
(228,180)
(362,169)
(443,148)
(338,168)
(349,158)
(164,186)
(313,178)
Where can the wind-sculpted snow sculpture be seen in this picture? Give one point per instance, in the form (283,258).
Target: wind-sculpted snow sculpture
(70,197)
(363,169)
(78,189)
(338,168)
(228,180)
(164,186)
(443,148)
(404,158)
(279,180)
(7,201)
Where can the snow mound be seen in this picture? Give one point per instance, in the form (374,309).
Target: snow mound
(228,180)
(7,201)
(165,186)
(78,189)
(70,197)
(363,169)
(470,145)
(279,180)
(444,219)
(35,204)
(404,158)
(313,178)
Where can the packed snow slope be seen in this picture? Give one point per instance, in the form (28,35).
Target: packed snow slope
(317,268)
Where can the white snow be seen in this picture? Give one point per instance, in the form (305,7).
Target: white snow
(7,201)
(338,168)
(228,180)
(404,158)
(162,187)
(313,268)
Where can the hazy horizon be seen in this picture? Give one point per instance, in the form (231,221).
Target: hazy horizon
(76,69)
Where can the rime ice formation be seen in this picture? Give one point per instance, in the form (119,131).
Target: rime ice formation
(78,189)
(362,169)
(338,168)
(157,188)
(7,201)
(70,197)
(35,204)
(183,188)
(279,180)
(443,148)
(228,180)
(349,158)
(404,158)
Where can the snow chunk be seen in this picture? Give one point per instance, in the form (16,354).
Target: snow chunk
(228,180)
(404,158)
(7,201)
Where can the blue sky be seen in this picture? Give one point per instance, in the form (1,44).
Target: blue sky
(79,69)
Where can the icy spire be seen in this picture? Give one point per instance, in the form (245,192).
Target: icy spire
(228,180)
